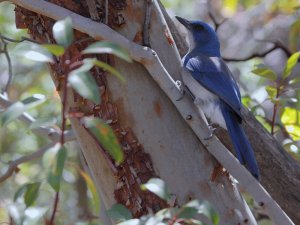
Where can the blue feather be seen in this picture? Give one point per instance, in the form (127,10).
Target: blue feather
(243,149)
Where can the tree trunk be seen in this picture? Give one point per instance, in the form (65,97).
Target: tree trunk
(155,139)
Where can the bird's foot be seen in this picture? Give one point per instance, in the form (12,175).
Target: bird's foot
(180,88)
(212,131)
(183,89)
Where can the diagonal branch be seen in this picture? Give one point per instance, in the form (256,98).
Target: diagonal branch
(47,132)
(152,63)
(13,165)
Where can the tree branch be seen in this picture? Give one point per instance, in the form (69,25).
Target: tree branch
(185,107)
(216,23)
(51,133)
(5,52)
(277,45)
(13,165)
(47,132)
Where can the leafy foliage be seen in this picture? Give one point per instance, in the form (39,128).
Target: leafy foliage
(54,175)
(85,85)
(63,32)
(187,214)
(109,48)
(281,84)
(119,213)
(106,137)
(158,187)
(16,109)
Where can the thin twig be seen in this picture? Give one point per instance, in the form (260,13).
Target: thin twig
(277,45)
(55,205)
(4,41)
(13,165)
(18,41)
(52,133)
(10,73)
(47,132)
(216,23)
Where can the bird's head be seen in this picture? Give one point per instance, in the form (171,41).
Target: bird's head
(201,36)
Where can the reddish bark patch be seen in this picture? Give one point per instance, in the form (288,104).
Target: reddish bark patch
(157,108)
(137,167)
(136,170)
(138,38)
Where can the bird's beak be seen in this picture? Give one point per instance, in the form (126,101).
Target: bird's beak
(184,22)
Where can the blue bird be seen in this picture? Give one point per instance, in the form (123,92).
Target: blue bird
(214,88)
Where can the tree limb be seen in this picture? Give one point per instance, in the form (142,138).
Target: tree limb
(277,45)
(47,132)
(154,66)
(13,165)
(216,23)
(51,133)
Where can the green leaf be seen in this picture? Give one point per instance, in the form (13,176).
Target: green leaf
(264,72)
(105,136)
(158,187)
(56,50)
(87,65)
(63,32)
(89,182)
(188,213)
(290,116)
(290,64)
(16,109)
(55,173)
(131,222)
(31,194)
(166,213)
(294,35)
(295,80)
(85,84)
(109,68)
(107,47)
(294,131)
(272,91)
(246,101)
(264,122)
(119,213)
(43,122)
(20,192)
(34,52)
(204,208)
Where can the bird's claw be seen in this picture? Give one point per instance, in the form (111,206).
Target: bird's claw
(212,130)
(180,88)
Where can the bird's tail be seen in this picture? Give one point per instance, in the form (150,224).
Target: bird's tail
(240,141)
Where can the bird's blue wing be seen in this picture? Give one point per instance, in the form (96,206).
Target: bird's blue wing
(214,75)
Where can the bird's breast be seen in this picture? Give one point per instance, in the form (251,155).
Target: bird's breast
(208,102)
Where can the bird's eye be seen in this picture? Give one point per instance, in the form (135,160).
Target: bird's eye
(198,27)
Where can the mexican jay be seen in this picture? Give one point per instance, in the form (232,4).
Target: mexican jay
(214,88)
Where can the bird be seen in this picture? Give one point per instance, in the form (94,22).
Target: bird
(214,88)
